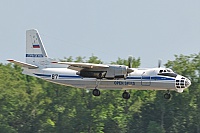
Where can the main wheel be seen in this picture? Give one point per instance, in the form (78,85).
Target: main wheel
(96,92)
(126,95)
(167,95)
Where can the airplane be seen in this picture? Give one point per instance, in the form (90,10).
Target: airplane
(96,76)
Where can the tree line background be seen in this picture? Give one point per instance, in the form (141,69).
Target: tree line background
(32,105)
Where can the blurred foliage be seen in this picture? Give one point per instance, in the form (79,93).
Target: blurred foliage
(31,105)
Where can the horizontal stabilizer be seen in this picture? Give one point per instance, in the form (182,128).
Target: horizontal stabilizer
(23,64)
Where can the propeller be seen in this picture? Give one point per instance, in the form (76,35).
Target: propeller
(130,61)
(159,63)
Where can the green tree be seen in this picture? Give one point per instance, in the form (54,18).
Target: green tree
(94,59)
(154,127)
(134,62)
(28,104)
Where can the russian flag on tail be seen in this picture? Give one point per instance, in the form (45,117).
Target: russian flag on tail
(36,46)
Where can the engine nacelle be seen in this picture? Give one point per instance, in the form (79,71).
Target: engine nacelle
(117,71)
(92,74)
(112,72)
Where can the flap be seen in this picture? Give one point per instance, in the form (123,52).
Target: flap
(79,66)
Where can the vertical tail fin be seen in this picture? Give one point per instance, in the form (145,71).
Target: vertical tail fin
(35,51)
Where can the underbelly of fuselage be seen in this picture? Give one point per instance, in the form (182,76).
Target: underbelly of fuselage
(117,84)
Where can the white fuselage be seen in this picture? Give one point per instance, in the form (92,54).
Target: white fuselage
(141,79)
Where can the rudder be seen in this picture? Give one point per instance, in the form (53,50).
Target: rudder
(35,51)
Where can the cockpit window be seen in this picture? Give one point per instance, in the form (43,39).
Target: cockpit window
(165,70)
(169,70)
(168,74)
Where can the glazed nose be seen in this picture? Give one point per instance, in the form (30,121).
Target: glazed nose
(182,82)
(187,83)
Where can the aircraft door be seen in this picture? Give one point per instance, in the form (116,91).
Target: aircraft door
(145,80)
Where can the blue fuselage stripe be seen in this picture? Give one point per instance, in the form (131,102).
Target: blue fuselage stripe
(42,75)
(66,76)
(130,77)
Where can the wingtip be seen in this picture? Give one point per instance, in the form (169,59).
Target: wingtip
(54,62)
(10,60)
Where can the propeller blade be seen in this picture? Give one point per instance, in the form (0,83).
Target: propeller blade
(130,61)
(159,63)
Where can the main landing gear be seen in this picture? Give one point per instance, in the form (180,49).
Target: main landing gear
(167,95)
(126,95)
(96,92)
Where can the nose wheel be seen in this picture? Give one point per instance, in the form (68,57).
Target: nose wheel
(126,95)
(167,95)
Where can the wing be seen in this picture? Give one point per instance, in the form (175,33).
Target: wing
(23,64)
(79,66)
